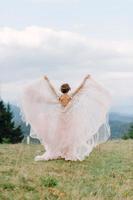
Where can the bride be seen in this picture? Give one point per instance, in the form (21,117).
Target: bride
(68,124)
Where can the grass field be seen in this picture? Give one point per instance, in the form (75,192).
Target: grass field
(107,174)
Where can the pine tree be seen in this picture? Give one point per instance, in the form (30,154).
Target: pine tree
(8,132)
(129,133)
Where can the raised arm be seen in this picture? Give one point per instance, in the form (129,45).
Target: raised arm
(51,86)
(80,86)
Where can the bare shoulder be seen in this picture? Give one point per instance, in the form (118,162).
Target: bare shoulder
(65,97)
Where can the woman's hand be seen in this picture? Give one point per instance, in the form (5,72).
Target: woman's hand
(81,85)
(87,77)
(51,86)
(46,78)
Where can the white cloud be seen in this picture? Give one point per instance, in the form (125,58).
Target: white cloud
(33,50)
(63,55)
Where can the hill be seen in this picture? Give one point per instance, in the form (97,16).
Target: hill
(107,174)
(126,118)
(119,124)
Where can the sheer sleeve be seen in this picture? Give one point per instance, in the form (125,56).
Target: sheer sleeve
(89,112)
(37,105)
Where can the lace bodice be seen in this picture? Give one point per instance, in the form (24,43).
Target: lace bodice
(64,99)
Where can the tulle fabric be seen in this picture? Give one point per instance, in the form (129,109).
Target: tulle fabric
(69,132)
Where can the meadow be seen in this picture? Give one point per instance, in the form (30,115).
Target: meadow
(106,174)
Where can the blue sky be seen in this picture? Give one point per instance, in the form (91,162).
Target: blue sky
(110,19)
(63,38)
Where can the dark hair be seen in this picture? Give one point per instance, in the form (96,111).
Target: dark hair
(65,88)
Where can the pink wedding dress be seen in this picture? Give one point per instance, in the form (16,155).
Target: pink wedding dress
(69,132)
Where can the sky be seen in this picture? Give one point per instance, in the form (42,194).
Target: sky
(67,39)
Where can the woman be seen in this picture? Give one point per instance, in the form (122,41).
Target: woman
(68,124)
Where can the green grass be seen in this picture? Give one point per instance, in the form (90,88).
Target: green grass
(107,174)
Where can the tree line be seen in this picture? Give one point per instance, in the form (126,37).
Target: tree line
(9,133)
